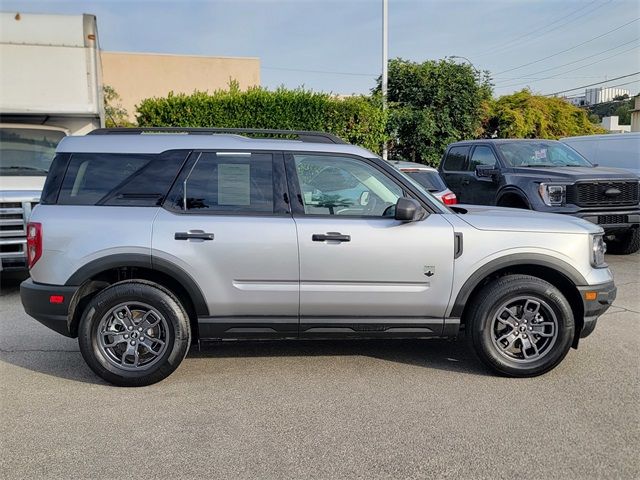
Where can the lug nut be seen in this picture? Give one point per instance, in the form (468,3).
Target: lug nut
(130,328)
(139,329)
(142,339)
(530,328)
(133,342)
(126,336)
(524,335)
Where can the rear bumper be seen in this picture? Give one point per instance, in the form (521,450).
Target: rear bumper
(35,300)
(605,294)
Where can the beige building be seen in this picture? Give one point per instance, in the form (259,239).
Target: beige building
(136,76)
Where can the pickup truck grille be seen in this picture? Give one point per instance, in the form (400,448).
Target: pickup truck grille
(603,193)
(13,228)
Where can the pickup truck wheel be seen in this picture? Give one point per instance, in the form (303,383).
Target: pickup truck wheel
(625,243)
(134,333)
(521,326)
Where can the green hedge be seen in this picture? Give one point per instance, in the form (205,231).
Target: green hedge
(358,120)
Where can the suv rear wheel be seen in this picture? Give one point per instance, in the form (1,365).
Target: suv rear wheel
(521,326)
(134,333)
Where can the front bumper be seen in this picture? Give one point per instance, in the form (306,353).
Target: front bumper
(605,294)
(612,220)
(36,302)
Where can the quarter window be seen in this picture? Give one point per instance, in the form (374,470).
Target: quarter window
(116,179)
(229,183)
(332,185)
(455,159)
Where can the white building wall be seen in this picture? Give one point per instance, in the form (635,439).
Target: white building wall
(603,94)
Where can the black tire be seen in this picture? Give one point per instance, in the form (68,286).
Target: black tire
(482,318)
(175,328)
(625,243)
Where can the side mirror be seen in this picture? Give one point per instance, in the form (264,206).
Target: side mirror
(409,210)
(486,171)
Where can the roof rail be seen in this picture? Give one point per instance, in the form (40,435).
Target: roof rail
(301,135)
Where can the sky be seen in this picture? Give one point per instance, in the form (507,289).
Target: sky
(336,45)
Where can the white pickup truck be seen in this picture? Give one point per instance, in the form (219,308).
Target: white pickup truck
(51,87)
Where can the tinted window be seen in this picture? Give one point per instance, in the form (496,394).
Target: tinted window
(429,180)
(229,182)
(119,179)
(482,155)
(455,159)
(27,151)
(150,184)
(344,186)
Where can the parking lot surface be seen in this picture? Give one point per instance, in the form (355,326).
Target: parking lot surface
(364,409)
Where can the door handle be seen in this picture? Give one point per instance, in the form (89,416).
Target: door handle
(333,236)
(193,235)
(465,181)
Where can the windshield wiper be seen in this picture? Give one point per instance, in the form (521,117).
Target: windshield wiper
(537,165)
(30,169)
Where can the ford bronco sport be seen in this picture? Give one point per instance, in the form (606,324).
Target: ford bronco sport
(546,176)
(144,243)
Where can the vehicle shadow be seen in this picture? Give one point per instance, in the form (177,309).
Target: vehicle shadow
(10,281)
(440,354)
(429,354)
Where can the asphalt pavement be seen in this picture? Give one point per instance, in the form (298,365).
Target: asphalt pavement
(363,409)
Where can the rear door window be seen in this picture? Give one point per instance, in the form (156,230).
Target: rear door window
(455,159)
(228,182)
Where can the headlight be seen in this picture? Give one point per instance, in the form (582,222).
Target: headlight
(553,195)
(598,249)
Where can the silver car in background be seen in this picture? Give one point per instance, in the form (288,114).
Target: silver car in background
(429,178)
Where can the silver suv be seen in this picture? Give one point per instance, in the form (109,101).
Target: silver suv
(147,241)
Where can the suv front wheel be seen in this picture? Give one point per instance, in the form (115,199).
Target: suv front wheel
(521,326)
(134,333)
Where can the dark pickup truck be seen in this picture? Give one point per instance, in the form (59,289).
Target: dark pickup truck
(546,176)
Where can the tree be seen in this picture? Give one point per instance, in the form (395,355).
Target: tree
(116,115)
(620,107)
(358,119)
(524,115)
(432,104)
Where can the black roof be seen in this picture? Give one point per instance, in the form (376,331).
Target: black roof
(497,141)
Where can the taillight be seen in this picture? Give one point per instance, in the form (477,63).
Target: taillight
(34,242)
(449,199)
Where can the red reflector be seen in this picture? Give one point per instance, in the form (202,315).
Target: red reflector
(56,299)
(449,199)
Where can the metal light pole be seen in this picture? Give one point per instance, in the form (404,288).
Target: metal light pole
(460,57)
(385,63)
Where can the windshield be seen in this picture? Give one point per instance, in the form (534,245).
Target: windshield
(27,151)
(541,154)
(428,179)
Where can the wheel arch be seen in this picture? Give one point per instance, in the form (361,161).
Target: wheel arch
(100,273)
(557,272)
(512,193)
